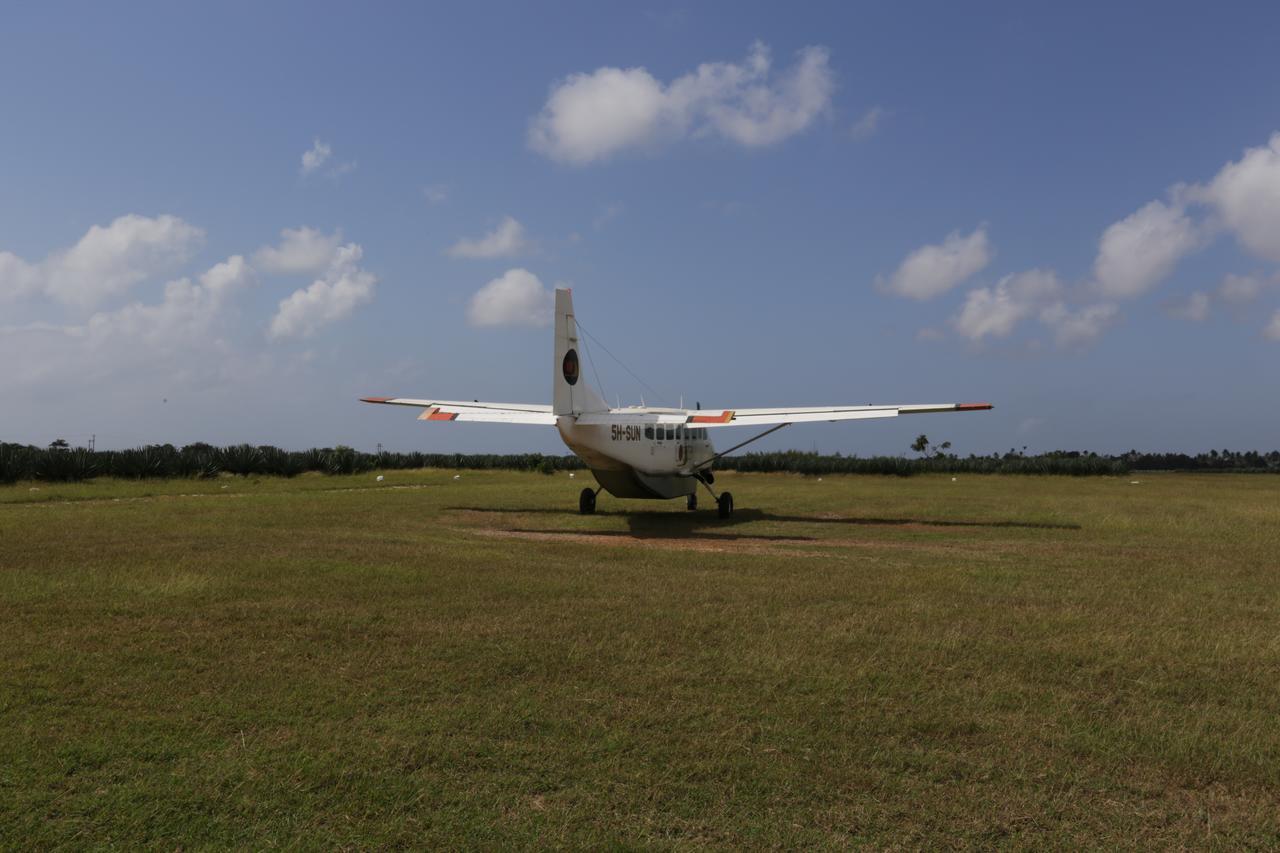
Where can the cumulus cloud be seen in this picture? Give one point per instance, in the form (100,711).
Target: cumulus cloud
(590,117)
(507,239)
(1142,249)
(1273,328)
(316,156)
(186,311)
(1080,326)
(343,288)
(1195,308)
(995,311)
(301,250)
(866,127)
(933,270)
(132,339)
(1241,289)
(516,298)
(106,261)
(1134,256)
(1246,196)
(17,277)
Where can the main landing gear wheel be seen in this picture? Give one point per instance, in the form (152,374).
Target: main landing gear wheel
(587,501)
(724,504)
(692,503)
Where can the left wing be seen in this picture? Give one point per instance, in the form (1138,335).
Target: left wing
(457,410)
(790,415)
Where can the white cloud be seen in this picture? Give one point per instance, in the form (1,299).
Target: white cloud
(1138,251)
(17,277)
(168,336)
(186,311)
(995,311)
(106,261)
(866,127)
(1195,308)
(1079,326)
(1246,195)
(507,239)
(590,117)
(301,250)
(344,287)
(1240,289)
(1273,328)
(516,298)
(933,270)
(316,156)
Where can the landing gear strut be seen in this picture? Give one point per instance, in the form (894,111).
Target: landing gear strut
(587,501)
(724,500)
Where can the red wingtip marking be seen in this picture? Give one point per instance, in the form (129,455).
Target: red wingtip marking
(437,415)
(375,399)
(722,418)
(972,407)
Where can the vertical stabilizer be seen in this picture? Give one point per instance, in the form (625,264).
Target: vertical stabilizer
(571,395)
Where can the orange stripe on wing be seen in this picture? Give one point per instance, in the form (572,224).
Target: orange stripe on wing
(722,418)
(375,399)
(435,414)
(972,407)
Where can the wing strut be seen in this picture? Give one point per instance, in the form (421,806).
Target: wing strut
(707,464)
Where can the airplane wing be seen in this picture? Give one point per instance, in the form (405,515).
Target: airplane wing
(458,410)
(789,415)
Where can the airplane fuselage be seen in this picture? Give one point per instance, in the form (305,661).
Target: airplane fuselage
(639,460)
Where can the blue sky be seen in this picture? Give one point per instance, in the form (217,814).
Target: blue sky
(1069,210)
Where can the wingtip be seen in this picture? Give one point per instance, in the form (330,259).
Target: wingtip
(973,407)
(375,399)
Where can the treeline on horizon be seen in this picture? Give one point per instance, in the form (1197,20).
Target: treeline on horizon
(62,463)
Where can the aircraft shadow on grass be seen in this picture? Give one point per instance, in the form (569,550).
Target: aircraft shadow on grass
(670,525)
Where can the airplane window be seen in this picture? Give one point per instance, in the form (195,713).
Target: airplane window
(671,433)
(648,432)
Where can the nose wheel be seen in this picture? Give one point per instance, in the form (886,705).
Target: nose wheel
(724,500)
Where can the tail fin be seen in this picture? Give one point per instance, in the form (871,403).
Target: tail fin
(571,394)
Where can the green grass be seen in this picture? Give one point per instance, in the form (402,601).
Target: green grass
(335,662)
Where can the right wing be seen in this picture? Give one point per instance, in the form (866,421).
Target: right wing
(457,410)
(802,414)
(750,417)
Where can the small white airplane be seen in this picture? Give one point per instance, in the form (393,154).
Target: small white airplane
(641,451)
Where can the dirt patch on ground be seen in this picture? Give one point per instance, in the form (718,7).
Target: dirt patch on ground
(706,543)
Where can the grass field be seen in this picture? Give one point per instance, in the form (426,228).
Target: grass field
(335,662)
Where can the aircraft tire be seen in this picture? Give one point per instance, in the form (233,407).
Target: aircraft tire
(724,504)
(692,503)
(587,501)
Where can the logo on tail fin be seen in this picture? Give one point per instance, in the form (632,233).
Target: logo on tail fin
(570,367)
